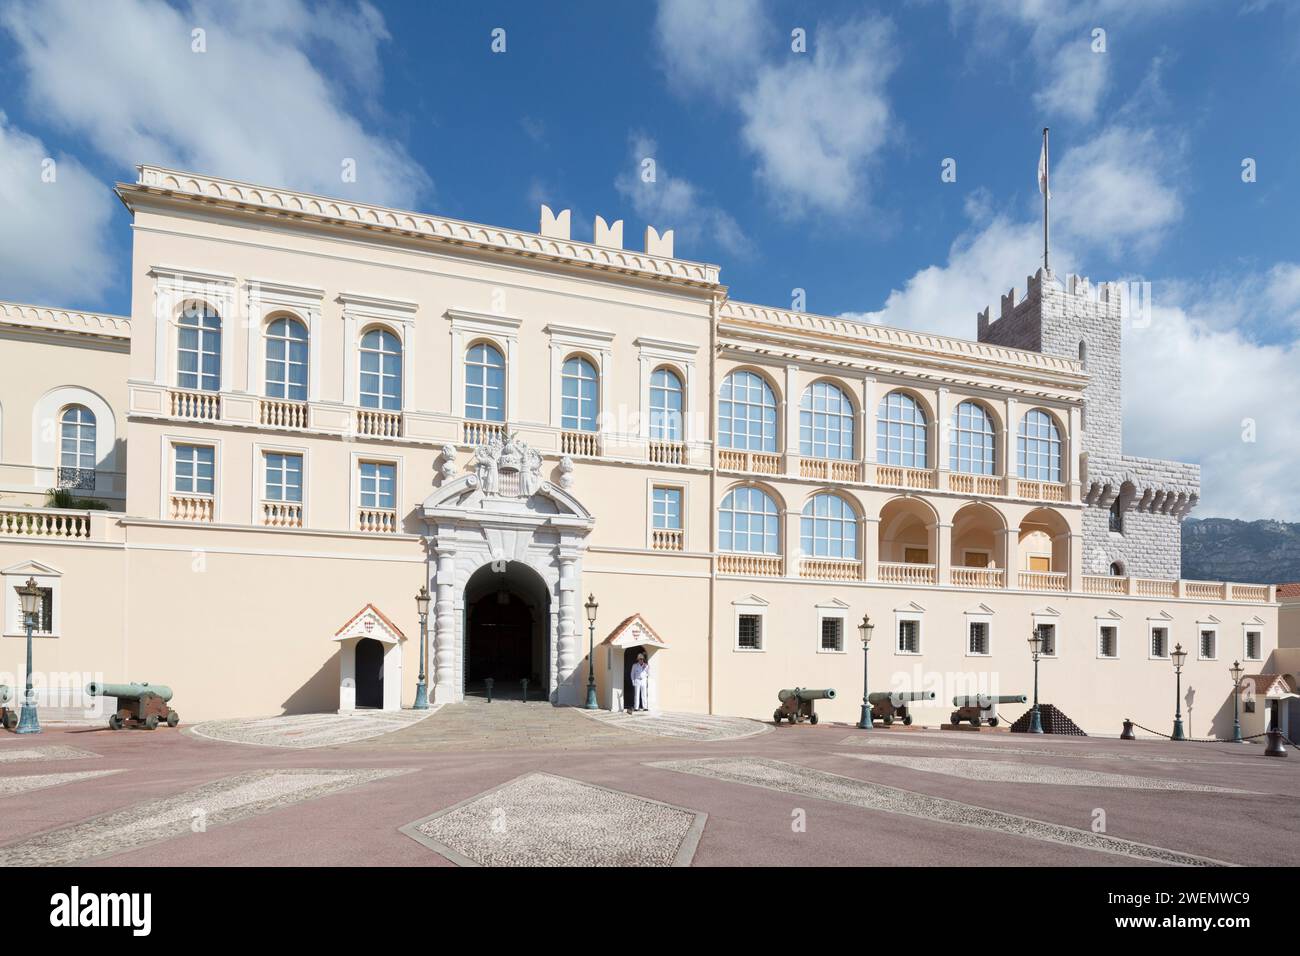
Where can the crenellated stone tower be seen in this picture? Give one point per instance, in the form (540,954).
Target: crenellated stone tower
(1133,521)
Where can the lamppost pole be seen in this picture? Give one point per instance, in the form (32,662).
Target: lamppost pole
(30,597)
(864,633)
(1236,671)
(1035,650)
(422,686)
(591,607)
(1178,656)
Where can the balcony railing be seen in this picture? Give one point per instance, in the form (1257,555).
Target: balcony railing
(475,432)
(668,453)
(377,520)
(753,565)
(45,523)
(1249,592)
(200,508)
(195,406)
(979,577)
(830,569)
(282,413)
(1044,581)
(586,444)
(762,462)
(282,514)
(905,477)
(1096,584)
(830,469)
(975,484)
(373,423)
(667,539)
(1040,490)
(901,572)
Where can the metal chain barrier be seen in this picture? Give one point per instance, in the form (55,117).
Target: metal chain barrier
(1206,740)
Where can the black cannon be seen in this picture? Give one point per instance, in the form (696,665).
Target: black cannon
(797,704)
(143,705)
(981,707)
(888,706)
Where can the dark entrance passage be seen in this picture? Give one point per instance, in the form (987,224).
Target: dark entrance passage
(370,673)
(507,639)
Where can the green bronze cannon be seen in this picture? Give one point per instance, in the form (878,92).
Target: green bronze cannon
(888,706)
(8,716)
(797,704)
(142,705)
(978,707)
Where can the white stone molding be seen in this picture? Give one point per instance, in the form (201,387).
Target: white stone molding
(359,313)
(49,319)
(598,345)
(173,287)
(264,298)
(503,333)
(655,353)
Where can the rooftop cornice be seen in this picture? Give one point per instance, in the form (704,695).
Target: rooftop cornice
(289,204)
(65,320)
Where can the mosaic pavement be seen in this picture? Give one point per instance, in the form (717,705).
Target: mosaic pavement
(303,731)
(822,785)
(1004,772)
(55,752)
(12,786)
(222,801)
(911,741)
(541,819)
(682,726)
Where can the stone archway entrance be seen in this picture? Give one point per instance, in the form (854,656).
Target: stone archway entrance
(507,630)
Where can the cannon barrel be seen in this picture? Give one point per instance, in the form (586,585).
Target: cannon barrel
(984,701)
(97,689)
(6,693)
(899,696)
(805,693)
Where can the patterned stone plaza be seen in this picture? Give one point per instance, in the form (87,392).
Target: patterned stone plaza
(528,784)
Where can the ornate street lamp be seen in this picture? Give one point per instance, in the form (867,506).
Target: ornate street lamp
(422,608)
(1236,670)
(864,633)
(1035,651)
(30,597)
(1179,656)
(591,606)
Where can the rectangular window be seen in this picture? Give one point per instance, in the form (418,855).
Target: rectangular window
(283,477)
(976,559)
(832,634)
(1208,641)
(378,485)
(1048,632)
(1252,645)
(44,623)
(667,508)
(916,555)
(1107,641)
(978,638)
(749,632)
(195,469)
(909,637)
(1040,562)
(1159,642)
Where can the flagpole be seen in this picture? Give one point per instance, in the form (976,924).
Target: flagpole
(1047,193)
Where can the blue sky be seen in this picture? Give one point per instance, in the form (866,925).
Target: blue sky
(817,170)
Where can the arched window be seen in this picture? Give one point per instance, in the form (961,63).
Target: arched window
(580,394)
(748,522)
(1116,516)
(1038,450)
(747,413)
(1083,352)
(825,422)
(286,360)
(666,397)
(485,384)
(77,448)
(198,348)
(829,528)
(381,370)
(901,432)
(973,440)
(1117,569)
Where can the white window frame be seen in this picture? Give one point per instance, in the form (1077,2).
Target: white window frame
(654,354)
(1201,628)
(915,617)
(16,577)
(751,606)
(167,467)
(360,314)
(1103,622)
(651,486)
(830,611)
(502,332)
(979,618)
(266,299)
(354,489)
(258,479)
(594,344)
(1247,629)
(1152,627)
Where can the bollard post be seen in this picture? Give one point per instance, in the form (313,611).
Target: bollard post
(489,682)
(525,683)
(1128,730)
(1275,748)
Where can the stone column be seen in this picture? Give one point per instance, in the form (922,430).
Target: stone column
(443,676)
(790,419)
(870,547)
(1007,449)
(942,557)
(942,438)
(1011,555)
(567,640)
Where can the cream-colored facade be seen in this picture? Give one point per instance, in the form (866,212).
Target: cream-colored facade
(329,405)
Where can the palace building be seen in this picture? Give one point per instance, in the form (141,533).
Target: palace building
(316,407)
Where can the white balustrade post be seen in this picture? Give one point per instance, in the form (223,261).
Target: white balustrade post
(566,658)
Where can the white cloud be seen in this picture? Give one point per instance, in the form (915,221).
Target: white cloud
(711,48)
(670,202)
(52,234)
(257,105)
(1078,79)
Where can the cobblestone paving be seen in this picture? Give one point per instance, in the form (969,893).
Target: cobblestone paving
(912,741)
(12,786)
(304,731)
(545,820)
(222,801)
(1004,772)
(55,752)
(682,726)
(819,784)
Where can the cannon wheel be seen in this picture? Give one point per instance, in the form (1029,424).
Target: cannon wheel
(974,721)
(813,720)
(11,720)
(993,721)
(173,718)
(115,722)
(887,719)
(151,722)
(907,721)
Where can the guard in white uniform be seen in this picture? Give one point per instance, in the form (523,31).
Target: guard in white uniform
(640,681)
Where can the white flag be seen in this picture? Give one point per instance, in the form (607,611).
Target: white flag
(1043,187)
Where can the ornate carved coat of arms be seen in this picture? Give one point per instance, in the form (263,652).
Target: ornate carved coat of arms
(509,467)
